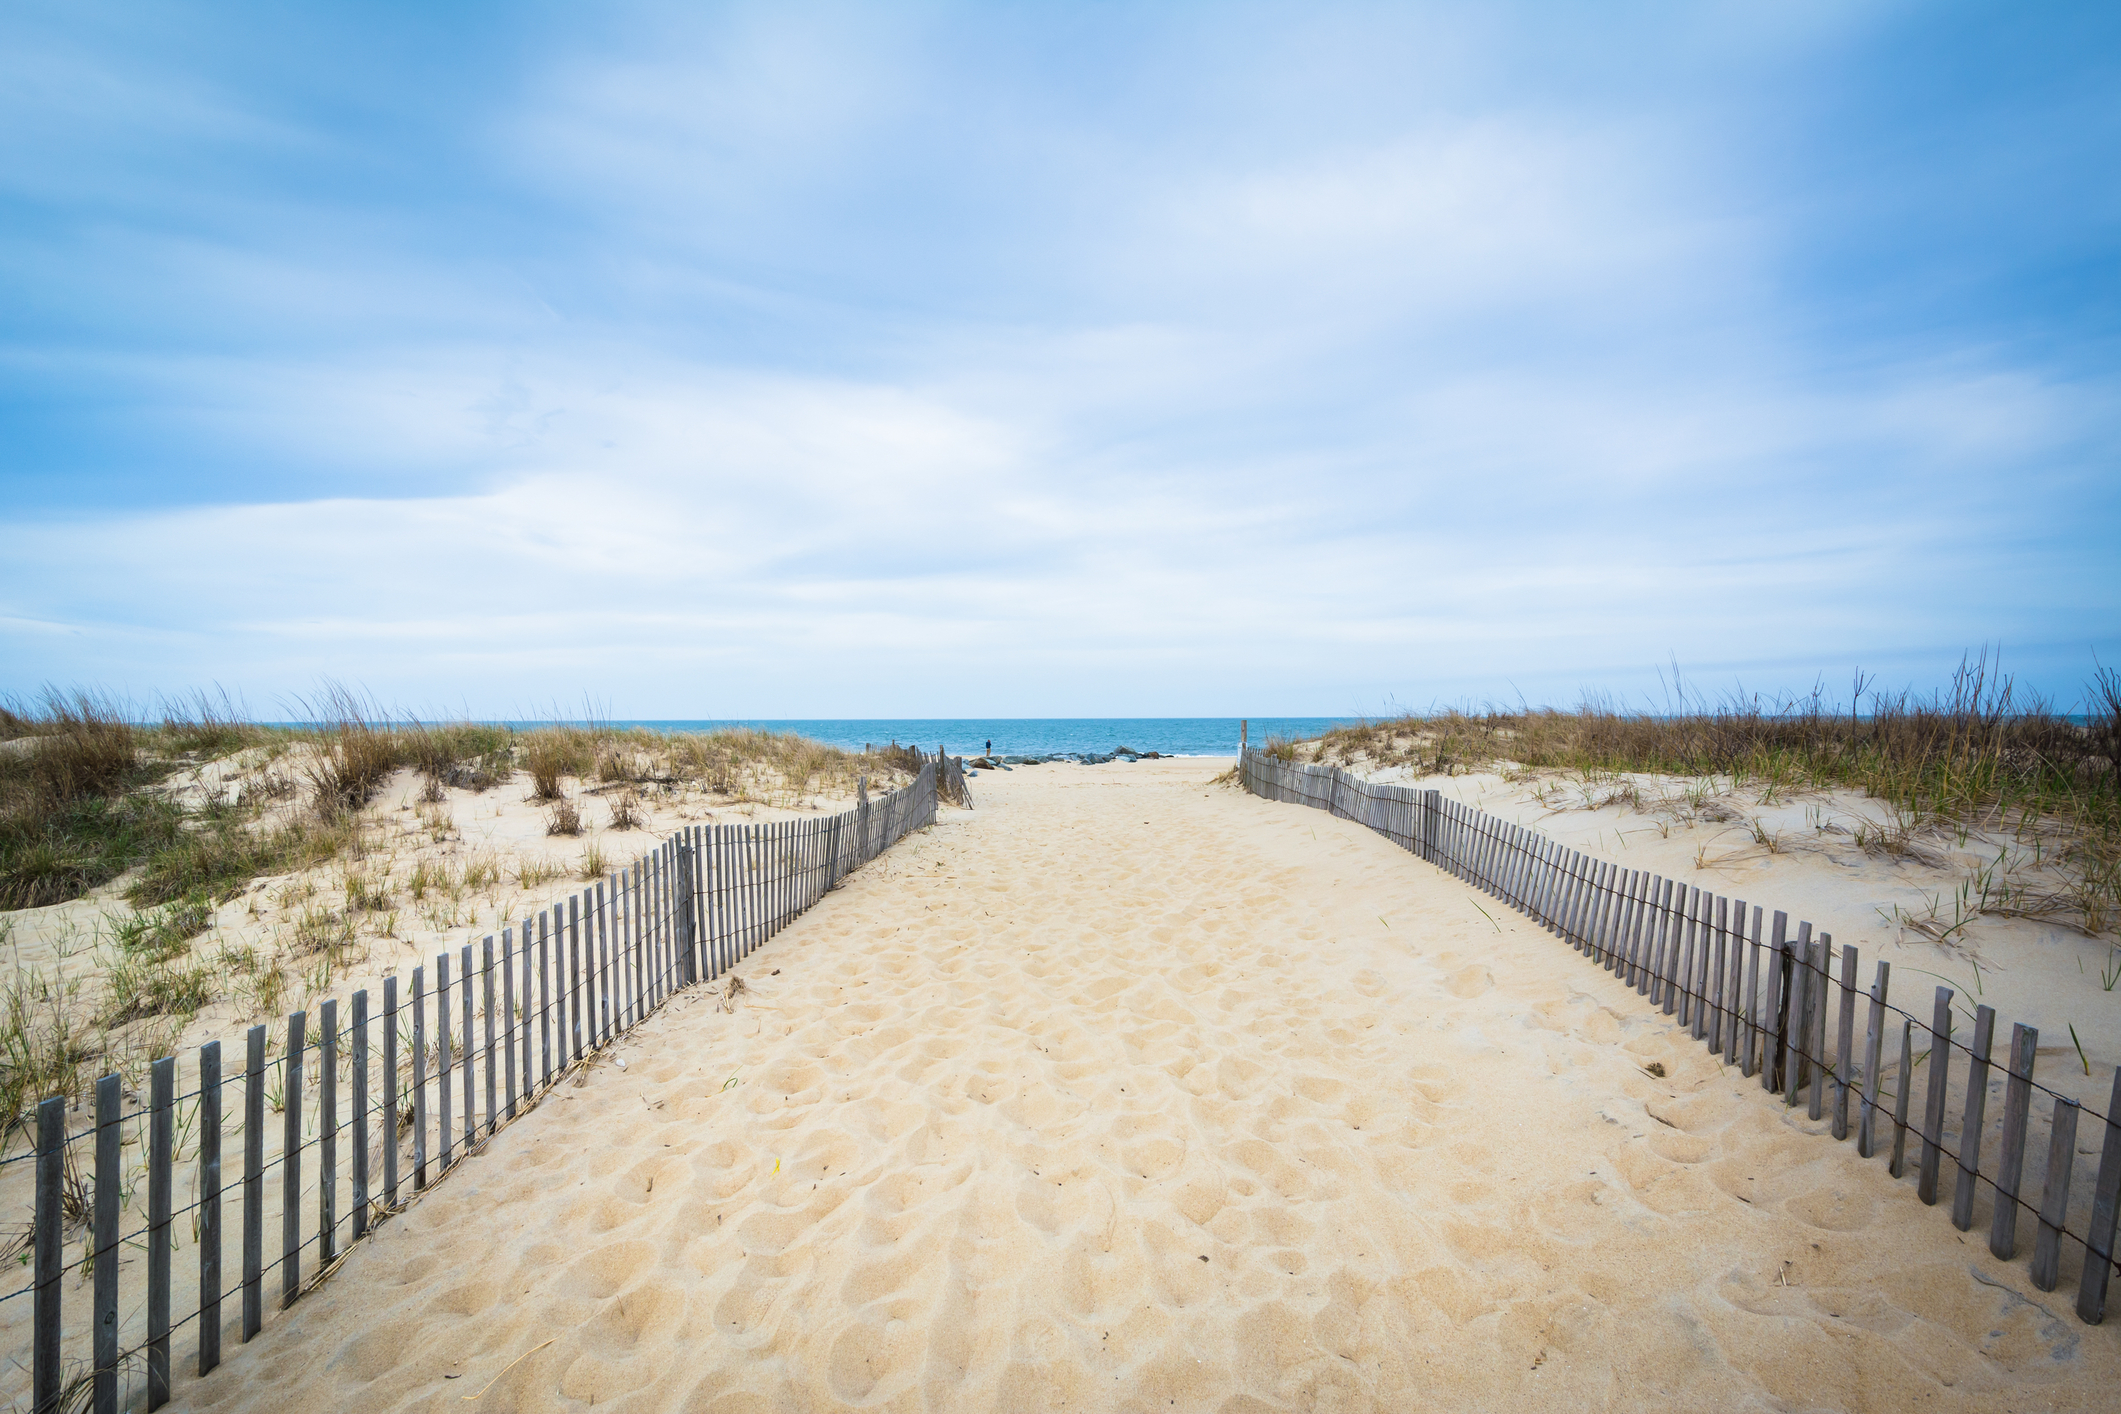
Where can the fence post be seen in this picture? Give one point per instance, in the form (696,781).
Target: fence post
(1873,1041)
(2010,1164)
(468,1049)
(209,1206)
(684,911)
(1904,1086)
(1804,961)
(51,1172)
(390,1092)
(253,1181)
(160,1139)
(493,1117)
(1976,1114)
(109,1138)
(513,1016)
(2054,1197)
(1774,1004)
(357,1197)
(419,1079)
(2106,1205)
(291,1161)
(445,1064)
(861,812)
(328,1135)
(1933,1112)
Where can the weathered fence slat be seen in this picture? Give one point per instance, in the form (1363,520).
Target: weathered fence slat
(209,1206)
(1815,1032)
(544,999)
(2054,1197)
(514,1021)
(1933,1111)
(486,991)
(46,1368)
(162,1085)
(606,936)
(291,1160)
(1845,1046)
(1797,1019)
(571,1013)
(328,1132)
(635,940)
(445,1066)
(2106,1207)
(469,1044)
(2010,1163)
(1906,1085)
(1976,1115)
(104,1236)
(1873,1041)
(1755,1048)
(357,1195)
(253,1182)
(390,1087)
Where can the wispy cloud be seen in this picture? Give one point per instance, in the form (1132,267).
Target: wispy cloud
(741,362)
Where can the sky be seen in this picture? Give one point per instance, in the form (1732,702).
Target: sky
(788,360)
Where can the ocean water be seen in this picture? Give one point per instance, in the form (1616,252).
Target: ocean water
(1026,736)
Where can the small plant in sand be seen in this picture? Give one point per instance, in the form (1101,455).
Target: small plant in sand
(563,819)
(322,930)
(549,755)
(626,812)
(426,876)
(365,893)
(482,872)
(46,1044)
(594,865)
(156,934)
(137,988)
(533,873)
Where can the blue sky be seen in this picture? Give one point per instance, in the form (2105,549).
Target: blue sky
(789,360)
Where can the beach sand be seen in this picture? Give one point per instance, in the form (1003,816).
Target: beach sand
(1127,1091)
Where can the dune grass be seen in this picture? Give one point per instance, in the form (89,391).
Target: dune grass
(1977,754)
(194,805)
(83,797)
(72,811)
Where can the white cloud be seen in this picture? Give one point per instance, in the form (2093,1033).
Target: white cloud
(761,366)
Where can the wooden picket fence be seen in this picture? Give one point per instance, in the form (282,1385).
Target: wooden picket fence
(1783,1006)
(390,1099)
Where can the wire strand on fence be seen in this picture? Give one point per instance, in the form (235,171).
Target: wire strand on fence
(1649,932)
(687,911)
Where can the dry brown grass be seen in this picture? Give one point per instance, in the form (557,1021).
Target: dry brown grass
(745,763)
(1978,754)
(354,754)
(71,816)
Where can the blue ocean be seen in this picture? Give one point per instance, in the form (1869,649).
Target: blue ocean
(1025,736)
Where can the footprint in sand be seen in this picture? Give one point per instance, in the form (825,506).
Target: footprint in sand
(1470,981)
(1833,1209)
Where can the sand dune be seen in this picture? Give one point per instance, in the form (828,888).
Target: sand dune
(1129,1092)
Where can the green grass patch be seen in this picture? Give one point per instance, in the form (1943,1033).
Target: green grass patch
(219,859)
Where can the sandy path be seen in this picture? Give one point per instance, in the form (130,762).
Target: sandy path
(1132,1093)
